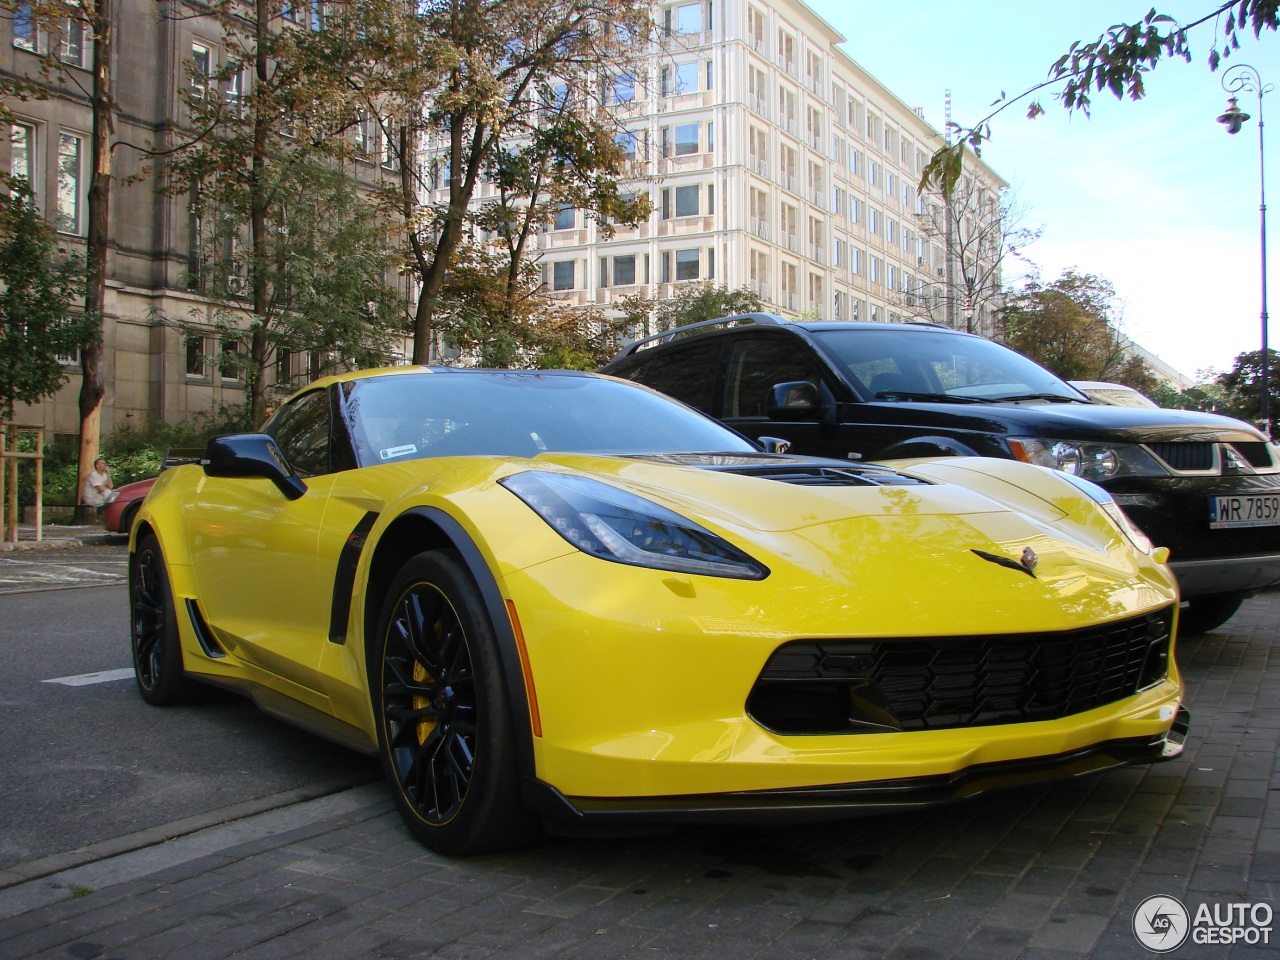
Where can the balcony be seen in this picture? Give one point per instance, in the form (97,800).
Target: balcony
(759,287)
(684,225)
(789,241)
(758,104)
(575,297)
(692,161)
(787,181)
(818,254)
(759,165)
(760,228)
(619,293)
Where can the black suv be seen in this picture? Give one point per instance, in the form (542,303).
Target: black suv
(1207,487)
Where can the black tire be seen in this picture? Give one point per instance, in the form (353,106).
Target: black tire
(445,732)
(1202,614)
(127,518)
(153,629)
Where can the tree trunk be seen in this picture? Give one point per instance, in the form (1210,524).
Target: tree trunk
(92,385)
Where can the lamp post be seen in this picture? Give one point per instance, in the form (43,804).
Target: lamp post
(1244,78)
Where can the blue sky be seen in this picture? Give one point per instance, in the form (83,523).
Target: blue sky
(1152,195)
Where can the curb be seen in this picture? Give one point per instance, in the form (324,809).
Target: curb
(55,543)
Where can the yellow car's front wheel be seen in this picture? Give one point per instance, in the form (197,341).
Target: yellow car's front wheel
(444,721)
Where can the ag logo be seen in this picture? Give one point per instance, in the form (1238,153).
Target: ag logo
(1161,924)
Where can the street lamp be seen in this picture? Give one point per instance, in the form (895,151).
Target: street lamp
(1242,77)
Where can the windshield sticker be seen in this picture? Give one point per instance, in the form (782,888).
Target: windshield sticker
(392,452)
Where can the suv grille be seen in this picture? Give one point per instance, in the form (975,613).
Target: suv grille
(937,683)
(1181,455)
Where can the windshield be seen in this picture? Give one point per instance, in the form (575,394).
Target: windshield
(521,415)
(920,364)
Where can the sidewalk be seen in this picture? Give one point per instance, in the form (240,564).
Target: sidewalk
(58,535)
(1047,873)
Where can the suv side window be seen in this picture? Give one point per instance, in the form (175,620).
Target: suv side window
(302,431)
(756,364)
(689,375)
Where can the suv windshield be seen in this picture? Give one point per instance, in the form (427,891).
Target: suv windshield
(924,364)
(521,415)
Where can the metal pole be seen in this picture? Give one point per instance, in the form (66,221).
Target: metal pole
(1262,221)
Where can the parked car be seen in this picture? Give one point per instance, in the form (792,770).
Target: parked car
(558,595)
(1112,394)
(118,515)
(1207,487)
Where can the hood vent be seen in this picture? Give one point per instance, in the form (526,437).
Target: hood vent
(805,471)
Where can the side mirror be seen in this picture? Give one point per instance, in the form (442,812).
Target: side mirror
(774,444)
(252,455)
(796,400)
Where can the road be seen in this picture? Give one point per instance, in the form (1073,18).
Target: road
(1050,872)
(85,760)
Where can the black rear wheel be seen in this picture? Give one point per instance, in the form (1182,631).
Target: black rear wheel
(153,629)
(1202,614)
(445,732)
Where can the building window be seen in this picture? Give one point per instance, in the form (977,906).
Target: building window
(686,77)
(201,70)
(624,88)
(70,161)
(688,18)
(711,75)
(22,153)
(229,360)
(687,201)
(197,362)
(875,269)
(233,92)
(627,141)
(686,139)
(873,219)
(687,264)
(25,33)
(855,261)
(566,218)
(624,270)
(562,275)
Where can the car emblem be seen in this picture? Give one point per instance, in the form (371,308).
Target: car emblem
(1025,565)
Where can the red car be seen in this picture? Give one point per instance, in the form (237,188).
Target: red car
(118,515)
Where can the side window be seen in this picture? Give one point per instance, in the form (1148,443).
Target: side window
(688,374)
(302,431)
(757,364)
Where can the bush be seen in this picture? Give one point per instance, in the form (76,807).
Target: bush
(132,453)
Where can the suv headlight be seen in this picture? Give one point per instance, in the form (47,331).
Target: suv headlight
(613,524)
(1092,461)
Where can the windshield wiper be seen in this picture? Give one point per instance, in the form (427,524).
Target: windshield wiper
(1051,397)
(931,397)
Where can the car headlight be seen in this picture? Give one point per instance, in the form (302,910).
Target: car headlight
(1112,510)
(1092,461)
(613,524)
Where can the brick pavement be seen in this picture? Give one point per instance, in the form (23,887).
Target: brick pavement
(1052,872)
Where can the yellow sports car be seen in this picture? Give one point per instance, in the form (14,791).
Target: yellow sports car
(552,596)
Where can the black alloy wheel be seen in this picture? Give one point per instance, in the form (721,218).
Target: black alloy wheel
(444,721)
(153,629)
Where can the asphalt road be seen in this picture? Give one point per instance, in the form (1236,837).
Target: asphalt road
(85,760)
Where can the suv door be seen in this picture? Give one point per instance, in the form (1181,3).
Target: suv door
(753,365)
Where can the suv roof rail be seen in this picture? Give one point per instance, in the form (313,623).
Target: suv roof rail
(768,319)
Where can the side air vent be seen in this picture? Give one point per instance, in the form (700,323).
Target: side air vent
(1256,452)
(204,636)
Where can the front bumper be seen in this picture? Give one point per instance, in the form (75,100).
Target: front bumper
(838,801)
(1246,574)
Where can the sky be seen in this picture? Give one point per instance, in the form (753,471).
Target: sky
(1153,195)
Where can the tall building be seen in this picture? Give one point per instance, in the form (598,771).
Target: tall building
(772,159)
(160,336)
(775,162)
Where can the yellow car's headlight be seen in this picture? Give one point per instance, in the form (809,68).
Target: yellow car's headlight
(1112,509)
(613,524)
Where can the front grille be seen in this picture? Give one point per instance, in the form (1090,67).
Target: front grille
(937,683)
(1256,452)
(1184,455)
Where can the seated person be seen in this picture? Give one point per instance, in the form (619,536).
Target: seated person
(97,486)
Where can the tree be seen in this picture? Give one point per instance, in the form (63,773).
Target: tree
(965,241)
(38,284)
(692,303)
(1243,385)
(45,22)
(477,76)
(253,158)
(1116,62)
(1069,327)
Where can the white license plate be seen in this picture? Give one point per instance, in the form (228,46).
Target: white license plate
(1256,511)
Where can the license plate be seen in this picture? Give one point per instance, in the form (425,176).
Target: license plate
(1256,511)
